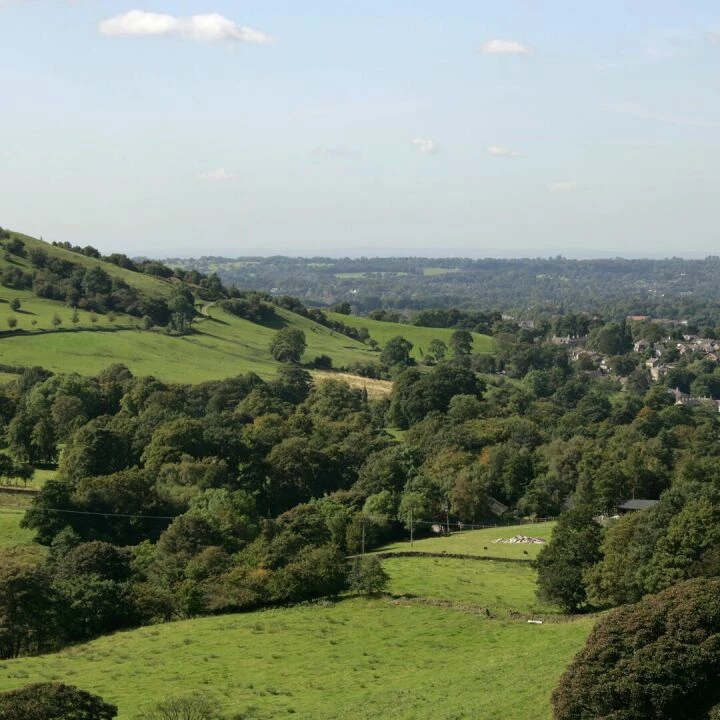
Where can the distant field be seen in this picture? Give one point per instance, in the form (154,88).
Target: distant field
(435,271)
(420,337)
(375,273)
(496,585)
(375,388)
(480,542)
(357,659)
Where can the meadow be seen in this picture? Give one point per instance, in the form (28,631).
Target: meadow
(451,640)
(496,586)
(221,346)
(352,659)
(420,337)
(480,542)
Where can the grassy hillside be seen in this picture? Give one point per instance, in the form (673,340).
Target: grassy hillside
(451,642)
(480,542)
(420,337)
(496,586)
(146,284)
(221,346)
(354,659)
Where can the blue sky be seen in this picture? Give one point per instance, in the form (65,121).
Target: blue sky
(363,127)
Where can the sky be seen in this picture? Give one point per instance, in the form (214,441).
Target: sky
(474,128)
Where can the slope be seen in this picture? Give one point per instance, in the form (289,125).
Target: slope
(420,337)
(49,333)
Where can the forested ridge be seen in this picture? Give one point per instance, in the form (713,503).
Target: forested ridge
(674,287)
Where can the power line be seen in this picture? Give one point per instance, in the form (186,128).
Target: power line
(109,514)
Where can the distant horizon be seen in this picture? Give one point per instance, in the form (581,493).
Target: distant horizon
(426,257)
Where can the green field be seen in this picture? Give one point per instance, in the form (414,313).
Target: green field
(435,271)
(497,586)
(355,659)
(11,534)
(420,337)
(453,641)
(221,346)
(480,542)
(37,314)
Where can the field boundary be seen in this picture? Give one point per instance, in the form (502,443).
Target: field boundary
(452,556)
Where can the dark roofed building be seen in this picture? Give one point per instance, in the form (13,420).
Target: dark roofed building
(633,505)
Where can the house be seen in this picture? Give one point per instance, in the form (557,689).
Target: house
(635,505)
(679,395)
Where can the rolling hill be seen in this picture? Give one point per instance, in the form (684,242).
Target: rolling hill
(221,344)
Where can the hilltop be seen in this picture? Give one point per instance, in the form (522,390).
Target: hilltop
(64,327)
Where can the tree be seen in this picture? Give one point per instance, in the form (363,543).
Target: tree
(436,351)
(461,341)
(12,322)
(367,576)
(15,304)
(54,701)
(561,564)
(396,351)
(28,610)
(658,658)
(56,320)
(288,345)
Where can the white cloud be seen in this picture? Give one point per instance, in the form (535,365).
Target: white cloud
(425,145)
(497,151)
(713,38)
(209,27)
(218,175)
(504,47)
(563,186)
(644,113)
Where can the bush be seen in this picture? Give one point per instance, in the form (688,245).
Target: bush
(659,658)
(53,701)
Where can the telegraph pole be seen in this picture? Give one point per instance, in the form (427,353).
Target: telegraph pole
(411,527)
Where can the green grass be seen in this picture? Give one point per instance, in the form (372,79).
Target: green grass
(147,284)
(11,534)
(480,542)
(222,346)
(435,271)
(356,659)
(41,311)
(420,337)
(495,585)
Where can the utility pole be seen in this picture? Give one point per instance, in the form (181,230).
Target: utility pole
(362,522)
(411,527)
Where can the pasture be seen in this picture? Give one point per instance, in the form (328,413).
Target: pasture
(221,346)
(496,586)
(420,337)
(480,542)
(353,659)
